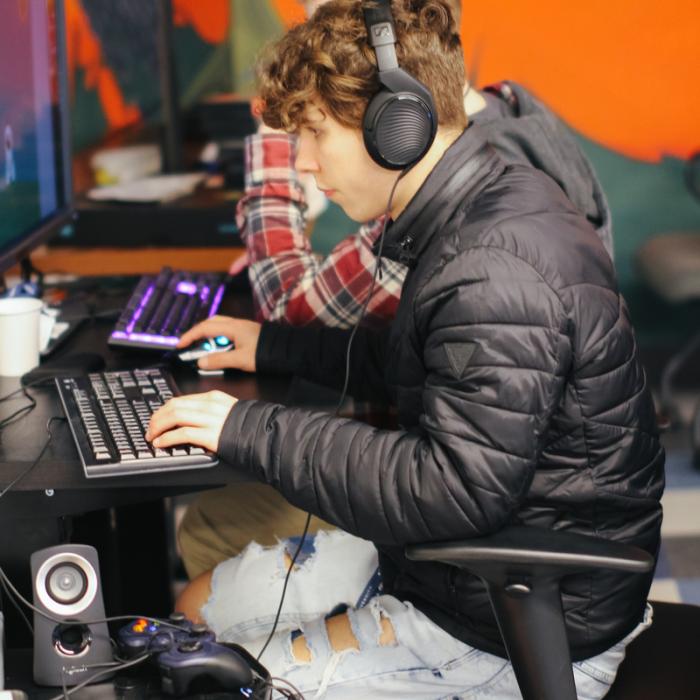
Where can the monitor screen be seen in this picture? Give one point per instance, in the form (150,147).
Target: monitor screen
(34,156)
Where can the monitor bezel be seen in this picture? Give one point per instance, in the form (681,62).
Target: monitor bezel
(64,214)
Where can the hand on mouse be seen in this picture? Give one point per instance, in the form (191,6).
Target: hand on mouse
(244,335)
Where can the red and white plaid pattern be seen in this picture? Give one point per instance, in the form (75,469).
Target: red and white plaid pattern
(289,281)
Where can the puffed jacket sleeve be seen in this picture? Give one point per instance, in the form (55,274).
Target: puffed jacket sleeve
(495,363)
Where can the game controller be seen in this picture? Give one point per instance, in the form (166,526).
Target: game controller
(189,659)
(152,636)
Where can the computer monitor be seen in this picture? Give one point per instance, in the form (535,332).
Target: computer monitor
(35,181)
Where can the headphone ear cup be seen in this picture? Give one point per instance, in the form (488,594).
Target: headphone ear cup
(398,129)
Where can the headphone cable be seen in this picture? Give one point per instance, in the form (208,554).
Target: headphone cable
(377,268)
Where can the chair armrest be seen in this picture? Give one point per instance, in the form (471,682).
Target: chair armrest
(534,551)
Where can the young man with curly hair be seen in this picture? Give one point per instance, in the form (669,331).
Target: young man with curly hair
(512,366)
(291,284)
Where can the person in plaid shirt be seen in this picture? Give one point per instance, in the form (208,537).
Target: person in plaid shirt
(288,281)
(291,284)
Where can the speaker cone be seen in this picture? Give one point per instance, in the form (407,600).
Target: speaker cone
(66,583)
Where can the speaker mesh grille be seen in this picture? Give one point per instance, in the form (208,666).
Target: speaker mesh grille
(403,131)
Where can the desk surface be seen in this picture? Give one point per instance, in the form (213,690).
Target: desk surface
(57,482)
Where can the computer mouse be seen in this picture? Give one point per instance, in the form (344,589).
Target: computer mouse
(208,346)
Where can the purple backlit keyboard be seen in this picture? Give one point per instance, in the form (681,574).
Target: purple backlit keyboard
(163,307)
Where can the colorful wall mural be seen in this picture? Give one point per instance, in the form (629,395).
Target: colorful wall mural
(622,74)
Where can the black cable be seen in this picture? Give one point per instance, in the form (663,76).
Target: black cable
(284,587)
(27,408)
(4,581)
(35,383)
(17,606)
(104,672)
(20,412)
(24,473)
(377,267)
(343,394)
(110,666)
(297,694)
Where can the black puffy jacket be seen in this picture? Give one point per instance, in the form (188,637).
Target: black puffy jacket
(514,371)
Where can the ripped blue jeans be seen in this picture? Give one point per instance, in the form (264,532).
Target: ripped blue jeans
(424,663)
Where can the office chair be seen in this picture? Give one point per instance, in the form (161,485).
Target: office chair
(670,264)
(522,567)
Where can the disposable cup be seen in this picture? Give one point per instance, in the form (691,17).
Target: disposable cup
(19,335)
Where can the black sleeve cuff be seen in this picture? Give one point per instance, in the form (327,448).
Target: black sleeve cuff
(283,349)
(239,435)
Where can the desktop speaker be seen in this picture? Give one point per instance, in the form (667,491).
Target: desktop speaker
(68,637)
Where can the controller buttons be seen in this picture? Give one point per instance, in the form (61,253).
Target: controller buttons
(161,642)
(199,629)
(190,647)
(140,625)
(176,617)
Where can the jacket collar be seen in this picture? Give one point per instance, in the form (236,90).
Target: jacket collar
(464,170)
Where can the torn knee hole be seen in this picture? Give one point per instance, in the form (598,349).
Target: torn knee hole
(387,636)
(341,637)
(300,649)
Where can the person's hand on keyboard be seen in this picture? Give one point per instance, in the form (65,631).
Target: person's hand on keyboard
(196,419)
(243,334)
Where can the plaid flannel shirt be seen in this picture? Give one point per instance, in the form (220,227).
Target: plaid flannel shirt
(289,282)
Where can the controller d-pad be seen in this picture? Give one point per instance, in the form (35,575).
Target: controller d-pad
(190,646)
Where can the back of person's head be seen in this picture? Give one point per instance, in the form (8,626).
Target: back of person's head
(328,61)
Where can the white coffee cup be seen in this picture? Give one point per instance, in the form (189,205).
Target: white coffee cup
(19,335)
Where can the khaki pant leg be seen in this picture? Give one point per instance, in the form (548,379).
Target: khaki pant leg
(219,524)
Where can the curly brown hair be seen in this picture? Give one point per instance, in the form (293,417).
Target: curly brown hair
(329,60)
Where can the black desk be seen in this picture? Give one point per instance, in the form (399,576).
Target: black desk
(129,537)
(60,472)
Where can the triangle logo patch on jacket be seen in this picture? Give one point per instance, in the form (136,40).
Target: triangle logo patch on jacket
(458,355)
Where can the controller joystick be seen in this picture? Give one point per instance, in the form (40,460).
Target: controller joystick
(193,662)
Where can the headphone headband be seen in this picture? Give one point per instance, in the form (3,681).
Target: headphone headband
(382,35)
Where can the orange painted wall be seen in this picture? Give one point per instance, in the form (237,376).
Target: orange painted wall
(209,18)
(290,11)
(625,73)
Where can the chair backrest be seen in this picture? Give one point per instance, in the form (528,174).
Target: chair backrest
(664,661)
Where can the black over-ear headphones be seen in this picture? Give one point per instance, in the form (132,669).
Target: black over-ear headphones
(400,121)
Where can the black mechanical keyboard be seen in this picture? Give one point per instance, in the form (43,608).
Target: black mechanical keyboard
(164,306)
(108,414)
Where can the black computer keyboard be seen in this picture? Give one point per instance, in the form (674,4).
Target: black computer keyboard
(164,306)
(109,412)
